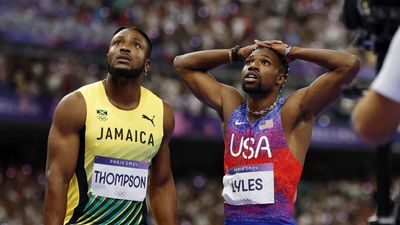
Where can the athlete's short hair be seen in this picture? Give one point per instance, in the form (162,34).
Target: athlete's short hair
(141,32)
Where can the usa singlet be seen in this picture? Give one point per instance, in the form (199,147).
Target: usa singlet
(261,173)
(116,148)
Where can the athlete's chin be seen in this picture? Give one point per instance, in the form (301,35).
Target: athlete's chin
(126,72)
(122,66)
(250,89)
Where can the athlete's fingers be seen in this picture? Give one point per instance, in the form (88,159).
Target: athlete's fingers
(268,42)
(263,43)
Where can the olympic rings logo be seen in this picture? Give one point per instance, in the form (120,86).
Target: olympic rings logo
(119,193)
(246,199)
(102,118)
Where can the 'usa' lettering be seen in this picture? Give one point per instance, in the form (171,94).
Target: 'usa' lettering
(247,151)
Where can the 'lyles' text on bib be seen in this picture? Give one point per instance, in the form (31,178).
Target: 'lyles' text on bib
(251,184)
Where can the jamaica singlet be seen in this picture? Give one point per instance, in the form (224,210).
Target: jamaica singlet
(116,148)
(261,173)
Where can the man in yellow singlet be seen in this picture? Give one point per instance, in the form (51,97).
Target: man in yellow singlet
(108,145)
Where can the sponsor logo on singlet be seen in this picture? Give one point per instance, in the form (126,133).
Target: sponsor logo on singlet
(148,118)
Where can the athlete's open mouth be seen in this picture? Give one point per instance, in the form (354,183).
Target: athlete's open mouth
(251,76)
(124,58)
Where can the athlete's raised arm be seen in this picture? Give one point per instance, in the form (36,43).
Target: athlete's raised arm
(193,69)
(341,69)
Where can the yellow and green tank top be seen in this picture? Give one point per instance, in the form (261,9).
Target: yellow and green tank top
(116,149)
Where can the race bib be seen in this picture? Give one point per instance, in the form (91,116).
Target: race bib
(119,178)
(252,184)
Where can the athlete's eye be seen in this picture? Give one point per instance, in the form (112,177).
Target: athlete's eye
(266,62)
(137,45)
(248,62)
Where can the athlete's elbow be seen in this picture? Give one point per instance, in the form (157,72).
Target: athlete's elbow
(350,68)
(179,63)
(352,65)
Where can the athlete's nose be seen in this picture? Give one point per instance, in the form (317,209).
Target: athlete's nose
(253,66)
(125,49)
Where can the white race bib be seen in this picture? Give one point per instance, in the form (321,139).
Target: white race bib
(119,178)
(252,184)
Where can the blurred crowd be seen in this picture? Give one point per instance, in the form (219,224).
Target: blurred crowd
(336,202)
(22,195)
(175,27)
(49,48)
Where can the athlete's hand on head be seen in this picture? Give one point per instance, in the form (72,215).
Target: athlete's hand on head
(266,43)
(277,45)
(245,51)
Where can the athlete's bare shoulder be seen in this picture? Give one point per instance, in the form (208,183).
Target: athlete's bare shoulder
(291,110)
(231,99)
(71,111)
(169,120)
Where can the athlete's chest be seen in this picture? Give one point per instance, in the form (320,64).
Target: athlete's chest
(253,141)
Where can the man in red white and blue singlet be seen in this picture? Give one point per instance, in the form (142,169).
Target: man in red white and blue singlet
(261,174)
(266,135)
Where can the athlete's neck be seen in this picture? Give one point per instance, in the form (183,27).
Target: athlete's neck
(123,93)
(261,106)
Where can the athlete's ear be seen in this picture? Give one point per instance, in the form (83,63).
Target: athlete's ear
(281,79)
(147,64)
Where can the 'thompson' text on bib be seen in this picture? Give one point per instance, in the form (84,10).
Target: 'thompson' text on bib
(119,178)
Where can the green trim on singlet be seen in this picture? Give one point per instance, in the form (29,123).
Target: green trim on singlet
(80,173)
(103,210)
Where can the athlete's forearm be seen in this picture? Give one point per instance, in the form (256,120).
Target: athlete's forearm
(329,59)
(202,60)
(163,203)
(55,203)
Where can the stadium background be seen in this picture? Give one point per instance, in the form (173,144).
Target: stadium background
(49,48)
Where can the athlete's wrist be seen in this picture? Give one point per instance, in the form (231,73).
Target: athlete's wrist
(234,55)
(288,53)
(291,52)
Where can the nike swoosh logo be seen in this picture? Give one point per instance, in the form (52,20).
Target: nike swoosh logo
(237,123)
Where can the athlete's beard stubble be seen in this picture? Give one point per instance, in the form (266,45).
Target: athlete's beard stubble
(256,90)
(127,73)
